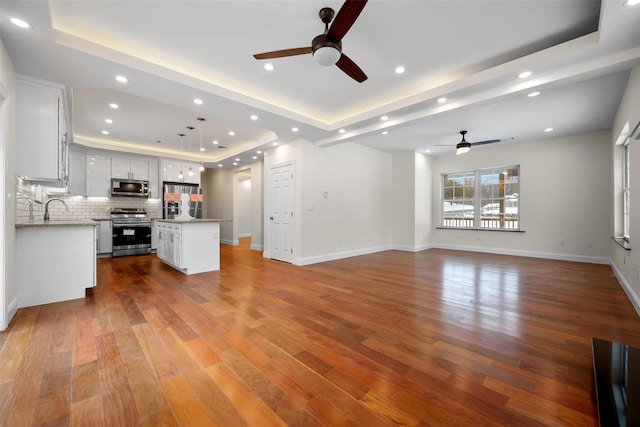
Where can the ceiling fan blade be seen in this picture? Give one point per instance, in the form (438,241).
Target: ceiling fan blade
(492,141)
(284,52)
(351,69)
(345,18)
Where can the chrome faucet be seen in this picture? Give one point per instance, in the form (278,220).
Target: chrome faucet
(46,207)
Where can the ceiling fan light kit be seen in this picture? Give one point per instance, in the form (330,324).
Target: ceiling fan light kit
(462,147)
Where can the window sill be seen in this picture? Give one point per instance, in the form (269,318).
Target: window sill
(480,229)
(623,243)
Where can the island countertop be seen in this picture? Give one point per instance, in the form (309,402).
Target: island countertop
(57,223)
(190,221)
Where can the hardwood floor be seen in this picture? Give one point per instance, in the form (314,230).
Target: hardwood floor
(437,338)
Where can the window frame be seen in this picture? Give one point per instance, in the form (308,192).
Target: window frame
(626,190)
(478,199)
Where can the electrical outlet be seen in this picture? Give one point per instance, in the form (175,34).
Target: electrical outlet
(589,243)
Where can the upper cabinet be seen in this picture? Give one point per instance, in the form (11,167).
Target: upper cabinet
(41,127)
(171,170)
(98,175)
(77,173)
(123,168)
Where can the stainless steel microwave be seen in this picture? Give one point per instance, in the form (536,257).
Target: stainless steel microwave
(129,188)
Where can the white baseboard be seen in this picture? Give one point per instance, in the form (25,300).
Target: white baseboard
(407,248)
(244,235)
(257,247)
(531,254)
(626,287)
(339,255)
(229,242)
(12,309)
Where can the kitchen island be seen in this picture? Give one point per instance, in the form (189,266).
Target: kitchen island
(55,260)
(189,245)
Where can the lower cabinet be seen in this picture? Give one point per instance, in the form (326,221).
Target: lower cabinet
(105,237)
(191,247)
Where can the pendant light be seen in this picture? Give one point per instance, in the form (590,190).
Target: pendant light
(191,128)
(201,120)
(180,174)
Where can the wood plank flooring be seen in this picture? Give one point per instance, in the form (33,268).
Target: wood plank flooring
(435,338)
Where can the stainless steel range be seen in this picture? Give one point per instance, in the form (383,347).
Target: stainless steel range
(131,231)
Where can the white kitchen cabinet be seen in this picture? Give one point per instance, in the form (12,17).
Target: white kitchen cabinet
(171,169)
(123,168)
(41,140)
(190,246)
(155,191)
(98,175)
(54,262)
(77,173)
(105,237)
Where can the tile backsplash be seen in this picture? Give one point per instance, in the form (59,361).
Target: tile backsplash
(79,207)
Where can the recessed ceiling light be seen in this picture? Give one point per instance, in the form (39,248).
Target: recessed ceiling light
(198,101)
(548,130)
(269,67)
(383,118)
(400,69)
(231,133)
(201,148)
(385,132)
(105,132)
(274,143)
(294,129)
(442,100)
(427,151)
(254,117)
(259,152)
(342,131)
(631,2)
(122,79)
(219,165)
(237,159)
(255,157)
(20,23)
(114,106)
(532,94)
(235,164)
(524,74)
(214,142)
(108,121)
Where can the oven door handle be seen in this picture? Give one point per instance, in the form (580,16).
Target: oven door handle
(131,225)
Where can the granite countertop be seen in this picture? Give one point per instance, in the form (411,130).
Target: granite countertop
(194,220)
(57,223)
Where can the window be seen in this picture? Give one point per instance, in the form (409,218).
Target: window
(482,199)
(626,186)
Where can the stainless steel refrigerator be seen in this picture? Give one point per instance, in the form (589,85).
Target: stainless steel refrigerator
(179,194)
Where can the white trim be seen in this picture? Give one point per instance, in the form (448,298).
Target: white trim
(626,287)
(340,255)
(257,247)
(240,236)
(12,309)
(407,248)
(530,254)
(229,242)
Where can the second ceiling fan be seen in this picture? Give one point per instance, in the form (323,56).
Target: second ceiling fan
(327,47)
(464,146)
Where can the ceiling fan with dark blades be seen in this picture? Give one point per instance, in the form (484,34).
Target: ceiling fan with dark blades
(464,146)
(327,47)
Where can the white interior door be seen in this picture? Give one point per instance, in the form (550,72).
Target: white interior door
(281,212)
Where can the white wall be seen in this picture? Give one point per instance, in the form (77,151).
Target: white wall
(565,194)
(342,199)
(217,187)
(626,263)
(403,200)
(9,297)
(243,205)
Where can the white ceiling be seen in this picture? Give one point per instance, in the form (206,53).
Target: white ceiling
(469,51)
